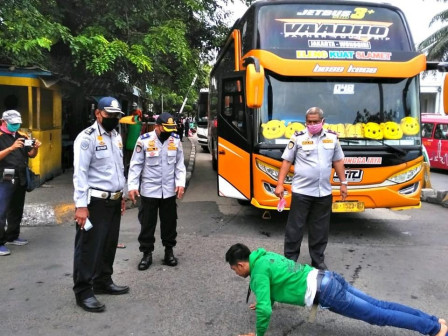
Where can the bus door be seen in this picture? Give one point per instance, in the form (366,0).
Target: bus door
(234,155)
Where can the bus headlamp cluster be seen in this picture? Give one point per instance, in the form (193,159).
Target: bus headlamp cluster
(273,172)
(406,175)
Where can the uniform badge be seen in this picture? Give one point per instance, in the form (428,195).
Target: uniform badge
(85,144)
(138,148)
(151,143)
(172,146)
(291,145)
(101,148)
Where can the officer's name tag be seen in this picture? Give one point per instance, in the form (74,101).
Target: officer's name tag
(328,143)
(308,145)
(100,148)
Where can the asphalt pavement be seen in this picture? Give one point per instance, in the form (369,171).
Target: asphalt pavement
(200,296)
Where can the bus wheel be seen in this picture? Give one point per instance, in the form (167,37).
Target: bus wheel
(214,159)
(214,163)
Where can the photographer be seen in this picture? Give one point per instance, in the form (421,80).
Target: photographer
(15,150)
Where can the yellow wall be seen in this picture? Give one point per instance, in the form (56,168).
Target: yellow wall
(42,119)
(47,163)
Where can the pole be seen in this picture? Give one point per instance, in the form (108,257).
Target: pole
(186,96)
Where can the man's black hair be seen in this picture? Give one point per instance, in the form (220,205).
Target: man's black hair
(236,253)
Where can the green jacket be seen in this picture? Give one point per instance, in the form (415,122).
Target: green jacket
(274,278)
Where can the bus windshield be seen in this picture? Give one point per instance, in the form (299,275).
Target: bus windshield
(366,110)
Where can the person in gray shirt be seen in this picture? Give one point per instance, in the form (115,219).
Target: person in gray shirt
(98,180)
(157,173)
(313,152)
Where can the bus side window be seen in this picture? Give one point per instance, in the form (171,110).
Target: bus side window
(440,133)
(233,109)
(427,130)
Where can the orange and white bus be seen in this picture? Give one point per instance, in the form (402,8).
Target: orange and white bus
(355,60)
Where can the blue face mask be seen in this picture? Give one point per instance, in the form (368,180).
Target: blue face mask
(13,127)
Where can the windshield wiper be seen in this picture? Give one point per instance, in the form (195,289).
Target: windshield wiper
(349,141)
(393,148)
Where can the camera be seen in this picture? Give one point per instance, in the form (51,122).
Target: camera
(29,142)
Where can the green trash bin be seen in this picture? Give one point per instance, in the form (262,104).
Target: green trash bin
(133,133)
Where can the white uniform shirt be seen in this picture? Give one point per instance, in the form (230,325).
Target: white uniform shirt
(98,163)
(160,166)
(313,157)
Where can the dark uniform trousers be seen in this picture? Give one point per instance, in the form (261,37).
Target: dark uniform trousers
(314,211)
(12,201)
(95,249)
(147,216)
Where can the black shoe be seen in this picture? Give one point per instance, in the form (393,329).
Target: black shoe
(111,289)
(91,304)
(169,259)
(145,262)
(320,266)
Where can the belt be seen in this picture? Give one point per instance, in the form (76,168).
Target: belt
(106,194)
(321,280)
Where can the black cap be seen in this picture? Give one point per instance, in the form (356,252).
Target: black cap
(167,122)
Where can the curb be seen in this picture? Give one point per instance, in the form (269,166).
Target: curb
(191,162)
(435,196)
(47,215)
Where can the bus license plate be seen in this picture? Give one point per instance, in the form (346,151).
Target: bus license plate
(348,207)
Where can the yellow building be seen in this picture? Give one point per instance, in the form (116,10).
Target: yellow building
(38,99)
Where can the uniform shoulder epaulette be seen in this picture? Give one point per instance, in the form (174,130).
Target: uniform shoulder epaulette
(144,136)
(23,134)
(89,130)
(175,135)
(297,133)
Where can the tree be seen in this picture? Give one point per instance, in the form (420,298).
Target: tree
(436,45)
(157,46)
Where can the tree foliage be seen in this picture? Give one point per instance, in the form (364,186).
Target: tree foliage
(157,46)
(436,45)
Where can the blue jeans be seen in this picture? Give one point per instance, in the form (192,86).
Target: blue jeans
(342,298)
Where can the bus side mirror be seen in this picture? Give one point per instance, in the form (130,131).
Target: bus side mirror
(254,85)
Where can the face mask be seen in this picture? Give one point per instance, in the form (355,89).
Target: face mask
(164,136)
(13,127)
(314,129)
(109,123)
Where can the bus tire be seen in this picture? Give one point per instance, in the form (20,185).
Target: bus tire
(214,163)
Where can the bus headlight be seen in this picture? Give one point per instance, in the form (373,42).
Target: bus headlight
(272,171)
(406,175)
